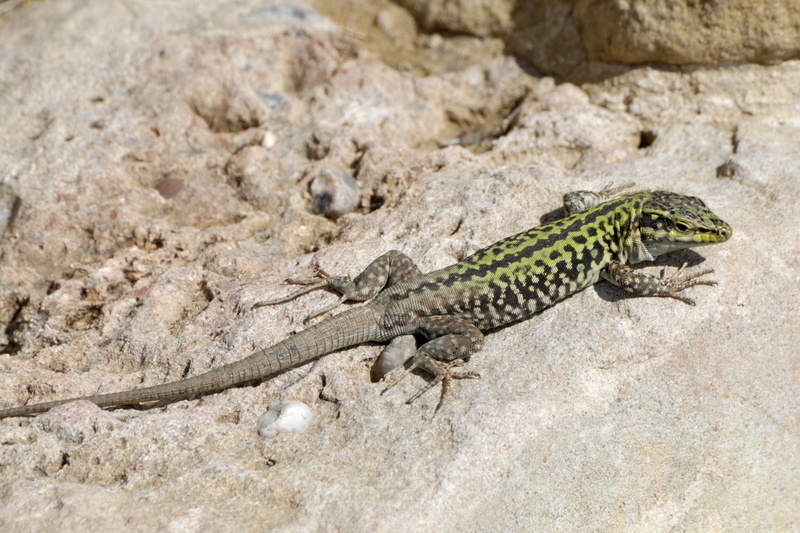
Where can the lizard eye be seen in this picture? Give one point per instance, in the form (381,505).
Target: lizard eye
(680,226)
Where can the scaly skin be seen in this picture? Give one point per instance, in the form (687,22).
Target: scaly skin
(502,283)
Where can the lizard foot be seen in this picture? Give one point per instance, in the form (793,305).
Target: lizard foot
(678,282)
(321,281)
(311,284)
(441,372)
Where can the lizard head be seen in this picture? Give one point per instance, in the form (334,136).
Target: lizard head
(670,221)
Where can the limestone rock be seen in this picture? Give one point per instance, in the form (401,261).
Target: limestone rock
(157,162)
(682,33)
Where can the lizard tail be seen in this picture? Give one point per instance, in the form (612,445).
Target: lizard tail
(352,327)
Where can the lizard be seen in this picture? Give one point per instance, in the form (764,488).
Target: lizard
(601,236)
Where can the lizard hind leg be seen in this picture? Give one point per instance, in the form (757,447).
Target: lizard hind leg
(452,341)
(386,270)
(310,285)
(578,201)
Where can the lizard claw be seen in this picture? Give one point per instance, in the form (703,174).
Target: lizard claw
(441,371)
(310,285)
(679,282)
(320,281)
(609,191)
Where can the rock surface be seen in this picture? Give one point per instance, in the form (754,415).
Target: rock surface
(566,37)
(683,33)
(157,164)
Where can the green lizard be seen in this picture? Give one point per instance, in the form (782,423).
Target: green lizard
(601,236)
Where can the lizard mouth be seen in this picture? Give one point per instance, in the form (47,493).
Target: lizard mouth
(721,233)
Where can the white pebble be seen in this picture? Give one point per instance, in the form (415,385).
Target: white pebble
(269,139)
(284,416)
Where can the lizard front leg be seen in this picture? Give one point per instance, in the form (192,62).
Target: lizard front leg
(642,284)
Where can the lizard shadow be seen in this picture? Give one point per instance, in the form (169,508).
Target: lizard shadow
(551,216)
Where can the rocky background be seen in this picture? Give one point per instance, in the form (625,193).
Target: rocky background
(166,165)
